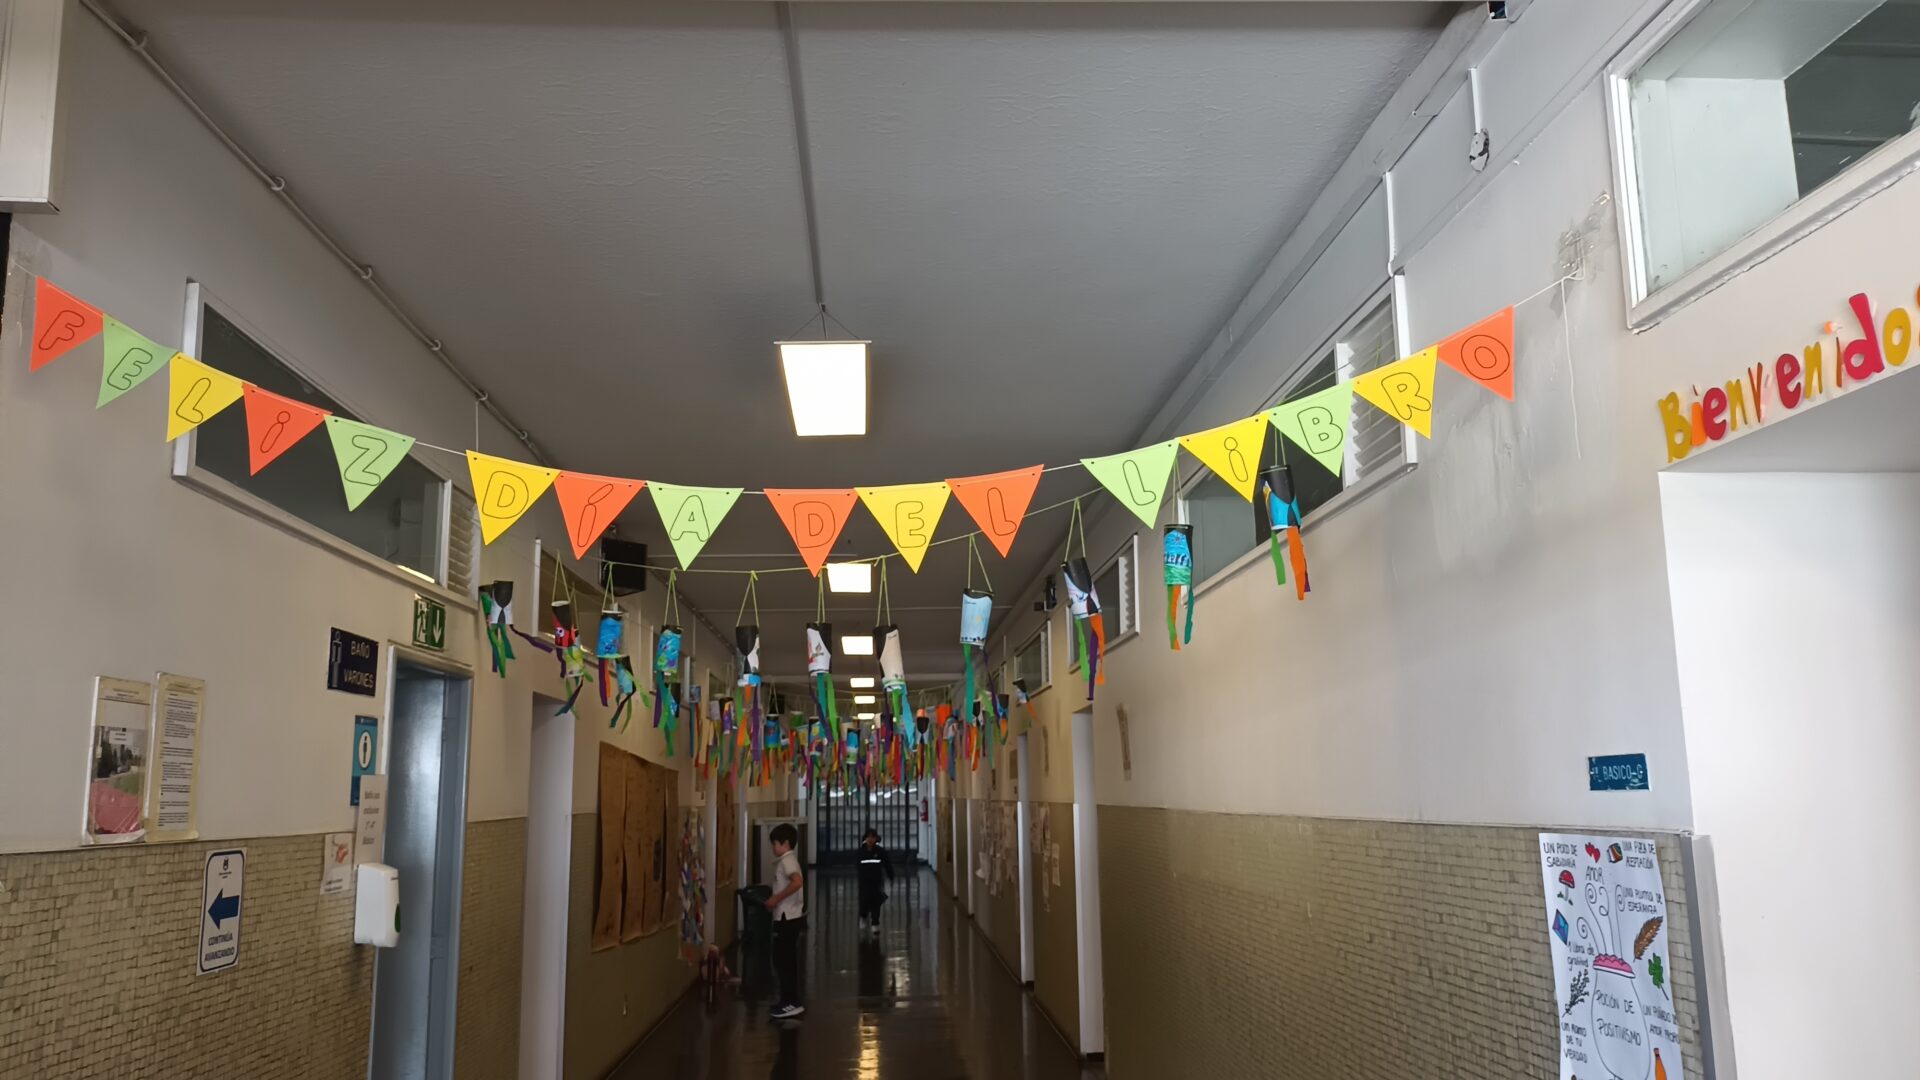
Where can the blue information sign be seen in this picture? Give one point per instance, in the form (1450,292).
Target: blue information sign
(366,751)
(1617,772)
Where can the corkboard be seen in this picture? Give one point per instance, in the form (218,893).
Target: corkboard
(613,801)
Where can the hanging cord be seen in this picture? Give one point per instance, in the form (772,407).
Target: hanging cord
(752,596)
(820,602)
(1077,525)
(975,558)
(671,612)
(883,604)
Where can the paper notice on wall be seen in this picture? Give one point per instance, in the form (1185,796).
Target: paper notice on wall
(179,704)
(117,761)
(1053,857)
(370,822)
(336,870)
(1607,929)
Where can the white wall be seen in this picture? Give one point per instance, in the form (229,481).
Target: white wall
(1796,624)
(112,567)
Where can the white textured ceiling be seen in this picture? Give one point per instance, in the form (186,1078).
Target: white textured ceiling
(1037,212)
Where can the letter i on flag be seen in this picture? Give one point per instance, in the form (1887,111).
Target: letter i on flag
(1232,451)
(590,504)
(504,489)
(275,423)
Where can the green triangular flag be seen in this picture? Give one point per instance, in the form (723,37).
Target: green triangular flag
(690,515)
(127,359)
(1317,423)
(366,455)
(1138,478)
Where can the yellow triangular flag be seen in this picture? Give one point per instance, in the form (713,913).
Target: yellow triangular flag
(909,513)
(1403,389)
(504,489)
(1232,451)
(195,392)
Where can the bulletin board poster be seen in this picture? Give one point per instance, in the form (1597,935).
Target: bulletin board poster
(1607,928)
(179,705)
(119,749)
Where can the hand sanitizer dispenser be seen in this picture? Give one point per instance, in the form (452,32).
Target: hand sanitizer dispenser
(376,906)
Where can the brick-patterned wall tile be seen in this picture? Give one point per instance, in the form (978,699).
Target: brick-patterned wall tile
(1056,951)
(492,891)
(1251,946)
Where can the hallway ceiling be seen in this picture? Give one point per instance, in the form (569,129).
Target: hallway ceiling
(1039,213)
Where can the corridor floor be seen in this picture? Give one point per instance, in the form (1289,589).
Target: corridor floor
(928,1000)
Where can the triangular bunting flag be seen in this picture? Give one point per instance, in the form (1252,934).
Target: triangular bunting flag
(909,513)
(1138,478)
(691,514)
(366,454)
(275,423)
(60,322)
(1403,390)
(126,359)
(195,392)
(1232,451)
(814,518)
(1317,423)
(504,489)
(1483,352)
(590,503)
(998,502)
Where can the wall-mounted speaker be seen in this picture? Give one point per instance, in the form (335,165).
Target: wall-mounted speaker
(627,565)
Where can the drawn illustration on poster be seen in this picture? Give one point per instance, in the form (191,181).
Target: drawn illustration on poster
(117,761)
(1607,928)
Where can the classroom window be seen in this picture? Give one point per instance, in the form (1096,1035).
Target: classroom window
(1224,529)
(1033,660)
(403,523)
(1732,111)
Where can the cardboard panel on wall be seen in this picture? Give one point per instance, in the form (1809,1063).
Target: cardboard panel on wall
(635,920)
(726,840)
(664,903)
(608,897)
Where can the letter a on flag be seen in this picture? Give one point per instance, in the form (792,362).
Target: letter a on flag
(909,513)
(60,321)
(690,515)
(1138,478)
(814,518)
(1232,451)
(195,392)
(590,503)
(1483,352)
(998,502)
(503,490)
(365,454)
(1317,423)
(1403,390)
(275,423)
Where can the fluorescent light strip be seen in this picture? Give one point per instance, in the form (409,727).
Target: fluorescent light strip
(861,682)
(856,644)
(850,577)
(866,699)
(826,386)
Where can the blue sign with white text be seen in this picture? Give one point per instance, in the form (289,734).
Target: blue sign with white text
(1617,772)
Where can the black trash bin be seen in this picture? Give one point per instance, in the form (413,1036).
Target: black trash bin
(756,922)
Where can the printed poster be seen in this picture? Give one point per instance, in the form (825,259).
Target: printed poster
(117,761)
(1607,928)
(179,704)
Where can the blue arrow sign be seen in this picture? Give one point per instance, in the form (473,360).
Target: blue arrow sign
(224,907)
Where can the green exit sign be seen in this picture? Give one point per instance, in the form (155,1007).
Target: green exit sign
(429,623)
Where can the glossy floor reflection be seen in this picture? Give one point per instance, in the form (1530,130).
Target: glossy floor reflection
(928,1000)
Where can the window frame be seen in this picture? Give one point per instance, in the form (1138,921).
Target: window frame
(1011,665)
(186,469)
(1392,292)
(1128,552)
(1648,307)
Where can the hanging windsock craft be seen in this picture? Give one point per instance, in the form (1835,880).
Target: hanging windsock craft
(820,674)
(1089,630)
(1177,544)
(666,669)
(1276,511)
(496,606)
(893,676)
(976,610)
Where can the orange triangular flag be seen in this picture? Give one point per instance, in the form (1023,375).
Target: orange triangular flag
(998,502)
(814,518)
(590,503)
(59,323)
(275,423)
(1483,352)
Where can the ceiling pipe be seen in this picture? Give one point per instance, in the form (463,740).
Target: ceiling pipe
(277,184)
(783,12)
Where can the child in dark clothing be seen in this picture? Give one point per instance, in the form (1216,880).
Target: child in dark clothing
(873,863)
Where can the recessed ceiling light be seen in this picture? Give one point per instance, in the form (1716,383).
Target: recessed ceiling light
(856,645)
(861,682)
(866,699)
(850,577)
(866,716)
(826,386)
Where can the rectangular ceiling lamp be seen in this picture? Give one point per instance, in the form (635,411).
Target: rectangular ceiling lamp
(826,386)
(866,699)
(861,682)
(866,716)
(848,577)
(856,644)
